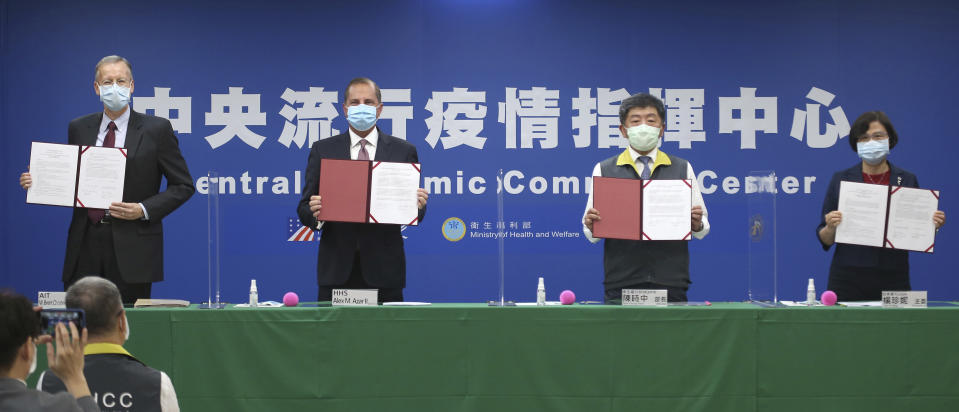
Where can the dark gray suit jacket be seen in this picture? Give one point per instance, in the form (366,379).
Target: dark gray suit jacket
(15,396)
(380,246)
(153,152)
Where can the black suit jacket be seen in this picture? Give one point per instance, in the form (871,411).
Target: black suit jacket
(382,258)
(153,152)
(863,256)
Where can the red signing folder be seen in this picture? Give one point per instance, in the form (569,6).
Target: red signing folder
(361,191)
(642,209)
(620,204)
(344,190)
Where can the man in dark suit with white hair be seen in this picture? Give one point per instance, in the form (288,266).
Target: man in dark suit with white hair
(125,243)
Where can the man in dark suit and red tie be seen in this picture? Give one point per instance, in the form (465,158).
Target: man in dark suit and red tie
(125,243)
(358,255)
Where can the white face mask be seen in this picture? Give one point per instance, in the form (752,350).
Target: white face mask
(126,327)
(873,151)
(115,97)
(643,138)
(33,363)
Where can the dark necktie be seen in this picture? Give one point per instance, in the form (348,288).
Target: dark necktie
(363,155)
(95,215)
(646,172)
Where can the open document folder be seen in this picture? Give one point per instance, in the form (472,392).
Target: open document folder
(893,217)
(76,176)
(362,191)
(642,209)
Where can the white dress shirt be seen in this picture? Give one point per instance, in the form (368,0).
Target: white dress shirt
(373,138)
(121,133)
(120,136)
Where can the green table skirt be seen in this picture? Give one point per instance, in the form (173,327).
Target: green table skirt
(462,357)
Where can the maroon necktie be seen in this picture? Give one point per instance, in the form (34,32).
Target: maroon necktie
(363,155)
(95,215)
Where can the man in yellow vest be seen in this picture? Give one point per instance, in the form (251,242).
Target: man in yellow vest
(117,379)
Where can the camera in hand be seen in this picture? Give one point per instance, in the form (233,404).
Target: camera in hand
(49,318)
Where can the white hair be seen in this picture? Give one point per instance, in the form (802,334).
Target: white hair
(110,60)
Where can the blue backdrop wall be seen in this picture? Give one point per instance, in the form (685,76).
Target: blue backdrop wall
(530,87)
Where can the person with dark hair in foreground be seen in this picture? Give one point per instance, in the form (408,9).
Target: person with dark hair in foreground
(19,337)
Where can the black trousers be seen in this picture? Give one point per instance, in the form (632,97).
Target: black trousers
(356,281)
(852,284)
(673,294)
(98,258)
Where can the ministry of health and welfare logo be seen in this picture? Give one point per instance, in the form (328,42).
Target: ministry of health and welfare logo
(454,229)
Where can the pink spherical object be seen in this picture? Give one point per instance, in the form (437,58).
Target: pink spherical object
(567,297)
(828,298)
(291,299)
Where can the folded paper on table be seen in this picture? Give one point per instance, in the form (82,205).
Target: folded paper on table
(161,303)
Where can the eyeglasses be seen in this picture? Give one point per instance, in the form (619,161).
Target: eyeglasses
(119,82)
(874,136)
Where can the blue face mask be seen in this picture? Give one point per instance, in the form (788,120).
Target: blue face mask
(873,151)
(115,97)
(362,117)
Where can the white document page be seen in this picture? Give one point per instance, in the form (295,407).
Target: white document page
(393,193)
(53,169)
(406,304)
(667,206)
(910,219)
(863,208)
(102,171)
(799,303)
(862,304)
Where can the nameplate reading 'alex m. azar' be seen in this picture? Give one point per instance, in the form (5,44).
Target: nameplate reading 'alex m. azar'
(354,297)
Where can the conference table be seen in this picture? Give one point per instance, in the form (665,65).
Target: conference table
(472,357)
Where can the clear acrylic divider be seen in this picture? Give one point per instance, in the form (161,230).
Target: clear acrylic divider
(760,190)
(501,239)
(213,243)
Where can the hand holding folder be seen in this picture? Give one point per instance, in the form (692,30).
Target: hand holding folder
(361,191)
(75,176)
(642,209)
